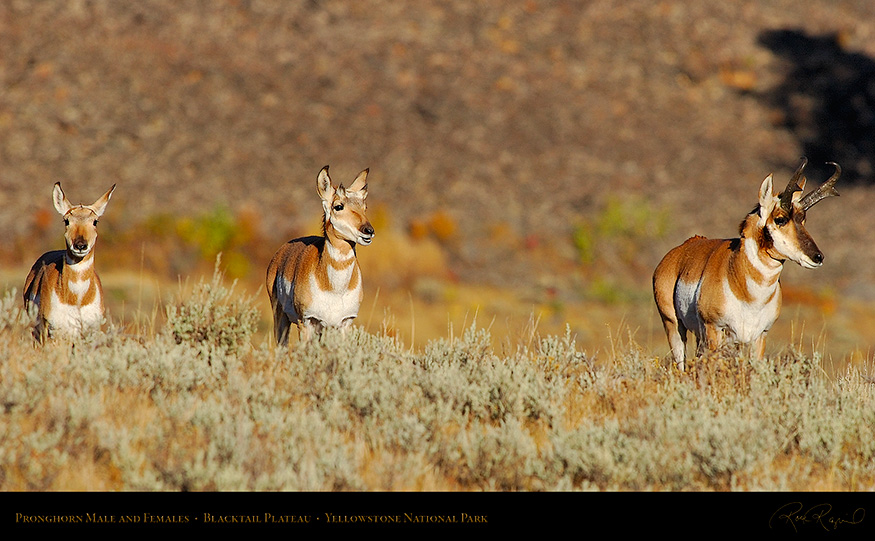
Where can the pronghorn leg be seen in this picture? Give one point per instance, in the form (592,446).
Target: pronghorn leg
(308,328)
(41,331)
(759,347)
(281,325)
(305,331)
(677,340)
(712,339)
(346,324)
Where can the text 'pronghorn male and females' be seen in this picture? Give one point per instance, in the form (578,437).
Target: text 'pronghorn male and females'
(719,288)
(315,282)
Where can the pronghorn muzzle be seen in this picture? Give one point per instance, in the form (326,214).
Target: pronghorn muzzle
(80,245)
(809,248)
(366,233)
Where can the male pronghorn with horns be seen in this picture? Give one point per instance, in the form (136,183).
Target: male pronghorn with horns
(62,290)
(315,282)
(718,287)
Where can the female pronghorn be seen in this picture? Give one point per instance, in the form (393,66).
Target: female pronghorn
(730,286)
(62,290)
(315,282)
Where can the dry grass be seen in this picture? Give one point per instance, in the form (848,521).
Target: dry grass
(221,409)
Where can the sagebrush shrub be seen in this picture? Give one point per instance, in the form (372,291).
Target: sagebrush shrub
(213,315)
(196,407)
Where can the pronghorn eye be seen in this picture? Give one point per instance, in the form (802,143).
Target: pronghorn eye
(781,220)
(338,207)
(95,223)
(66,221)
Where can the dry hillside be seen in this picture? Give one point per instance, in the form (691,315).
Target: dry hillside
(542,144)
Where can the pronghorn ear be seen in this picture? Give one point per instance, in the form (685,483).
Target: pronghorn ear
(62,205)
(767,199)
(99,206)
(360,184)
(797,195)
(323,185)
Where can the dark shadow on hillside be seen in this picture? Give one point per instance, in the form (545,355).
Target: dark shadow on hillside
(827,100)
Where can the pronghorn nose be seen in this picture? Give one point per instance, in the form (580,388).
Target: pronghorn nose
(818,258)
(367,229)
(80,245)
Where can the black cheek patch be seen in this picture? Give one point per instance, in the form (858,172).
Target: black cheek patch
(766,241)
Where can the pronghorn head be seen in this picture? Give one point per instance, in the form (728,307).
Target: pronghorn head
(780,219)
(345,208)
(80,221)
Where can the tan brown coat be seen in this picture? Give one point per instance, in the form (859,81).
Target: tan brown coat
(730,288)
(62,291)
(315,282)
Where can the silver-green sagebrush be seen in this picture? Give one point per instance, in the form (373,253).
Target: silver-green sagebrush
(198,406)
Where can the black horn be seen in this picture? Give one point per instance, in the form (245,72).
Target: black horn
(827,189)
(786,196)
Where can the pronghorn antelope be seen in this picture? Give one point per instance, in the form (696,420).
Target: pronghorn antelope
(719,287)
(62,290)
(315,282)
